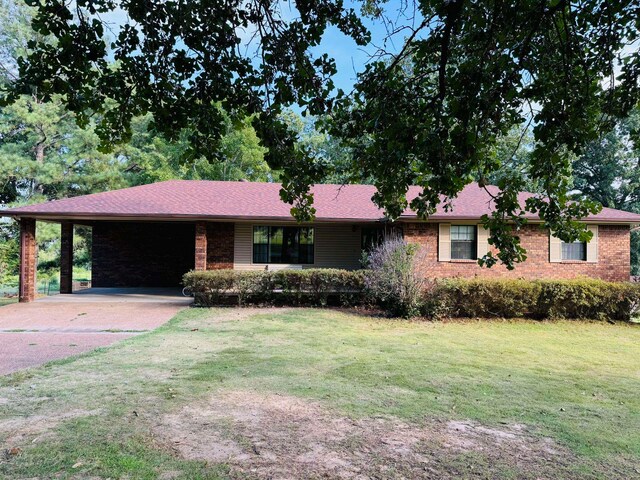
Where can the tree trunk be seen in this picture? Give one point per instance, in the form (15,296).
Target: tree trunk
(40,152)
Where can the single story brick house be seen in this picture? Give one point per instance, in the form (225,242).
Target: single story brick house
(149,236)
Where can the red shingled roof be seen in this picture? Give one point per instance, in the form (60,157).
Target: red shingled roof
(252,200)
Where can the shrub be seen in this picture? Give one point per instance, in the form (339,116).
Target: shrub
(284,287)
(594,299)
(541,299)
(252,287)
(209,287)
(314,286)
(392,278)
(483,298)
(394,284)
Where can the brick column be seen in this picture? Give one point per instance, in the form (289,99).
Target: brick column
(66,257)
(28,260)
(201,246)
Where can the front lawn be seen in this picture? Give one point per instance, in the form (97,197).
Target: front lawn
(304,393)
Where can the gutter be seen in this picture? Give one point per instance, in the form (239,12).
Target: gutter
(62,216)
(47,216)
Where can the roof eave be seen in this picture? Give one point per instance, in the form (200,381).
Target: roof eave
(62,216)
(173,217)
(467,218)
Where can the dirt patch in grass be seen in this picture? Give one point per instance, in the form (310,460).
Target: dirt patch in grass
(16,431)
(278,436)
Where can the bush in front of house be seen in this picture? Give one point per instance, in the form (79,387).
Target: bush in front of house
(482,298)
(538,299)
(312,287)
(391,285)
(593,299)
(210,287)
(392,278)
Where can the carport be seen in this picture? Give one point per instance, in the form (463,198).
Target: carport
(142,237)
(132,253)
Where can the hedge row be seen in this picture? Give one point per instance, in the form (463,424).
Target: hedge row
(538,299)
(482,298)
(281,287)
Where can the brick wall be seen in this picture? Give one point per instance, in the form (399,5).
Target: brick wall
(141,254)
(158,254)
(28,260)
(220,239)
(201,246)
(613,256)
(66,257)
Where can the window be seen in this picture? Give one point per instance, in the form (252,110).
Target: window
(463,242)
(574,251)
(373,236)
(283,244)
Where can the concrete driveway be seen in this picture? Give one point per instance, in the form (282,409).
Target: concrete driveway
(63,325)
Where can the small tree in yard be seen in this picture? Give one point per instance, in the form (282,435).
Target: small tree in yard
(393,278)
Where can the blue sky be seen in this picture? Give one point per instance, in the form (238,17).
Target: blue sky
(349,57)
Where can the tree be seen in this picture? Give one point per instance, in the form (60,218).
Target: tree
(327,150)
(150,158)
(44,155)
(609,169)
(15,34)
(43,152)
(427,113)
(9,252)
(512,152)
(609,172)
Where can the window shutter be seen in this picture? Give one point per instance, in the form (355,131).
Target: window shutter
(444,242)
(483,241)
(555,248)
(592,246)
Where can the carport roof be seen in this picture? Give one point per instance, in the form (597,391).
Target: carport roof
(201,199)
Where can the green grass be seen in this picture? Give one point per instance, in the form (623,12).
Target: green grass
(110,450)
(7,300)
(48,282)
(575,382)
